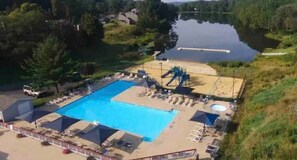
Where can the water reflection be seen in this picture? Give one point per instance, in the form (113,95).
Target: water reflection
(214,31)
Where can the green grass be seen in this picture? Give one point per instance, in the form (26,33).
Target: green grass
(271,95)
(265,126)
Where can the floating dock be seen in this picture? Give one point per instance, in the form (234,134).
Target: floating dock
(204,49)
(273,54)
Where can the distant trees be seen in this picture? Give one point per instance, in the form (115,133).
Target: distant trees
(208,6)
(286,18)
(21,30)
(156,15)
(267,14)
(258,14)
(51,64)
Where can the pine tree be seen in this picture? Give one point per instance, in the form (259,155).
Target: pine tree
(51,64)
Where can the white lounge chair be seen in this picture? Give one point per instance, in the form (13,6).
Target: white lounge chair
(131,75)
(197,131)
(174,100)
(179,99)
(186,102)
(195,139)
(169,99)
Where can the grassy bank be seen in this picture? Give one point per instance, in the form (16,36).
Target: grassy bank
(265,126)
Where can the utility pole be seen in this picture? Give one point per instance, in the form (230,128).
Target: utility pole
(233,83)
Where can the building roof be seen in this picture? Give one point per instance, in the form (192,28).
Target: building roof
(6,101)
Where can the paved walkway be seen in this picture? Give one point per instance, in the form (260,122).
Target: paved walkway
(12,148)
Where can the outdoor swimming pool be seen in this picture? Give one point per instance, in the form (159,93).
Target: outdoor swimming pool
(99,107)
(218,107)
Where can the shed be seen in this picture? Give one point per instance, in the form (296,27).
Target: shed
(11,107)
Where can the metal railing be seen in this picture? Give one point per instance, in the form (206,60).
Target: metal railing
(191,153)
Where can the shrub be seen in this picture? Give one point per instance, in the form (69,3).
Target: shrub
(66,151)
(45,143)
(130,56)
(91,158)
(19,135)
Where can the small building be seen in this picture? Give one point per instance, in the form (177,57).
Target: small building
(130,17)
(11,107)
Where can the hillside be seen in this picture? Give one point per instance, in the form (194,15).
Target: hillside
(265,126)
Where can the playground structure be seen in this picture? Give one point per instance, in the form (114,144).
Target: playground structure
(178,73)
(202,80)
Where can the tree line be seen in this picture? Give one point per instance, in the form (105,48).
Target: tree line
(41,36)
(256,14)
(208,6)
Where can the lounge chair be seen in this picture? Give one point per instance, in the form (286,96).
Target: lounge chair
(187,100)
(141,94)
(153,95)
(175,99)
(190,102)
(131,75)
(193,103)
(194,135)
(195,139)
(211,149)
(197,131)
(169,99)
(179,99)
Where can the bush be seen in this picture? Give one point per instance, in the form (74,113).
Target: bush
(66,151)
(19,135)
(130,56)
(45,143)
(91,158)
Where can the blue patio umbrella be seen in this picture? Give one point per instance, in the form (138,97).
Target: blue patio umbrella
(183,90)
(33,115)
(61,123)
(147,83)
(204,117)
(98,134)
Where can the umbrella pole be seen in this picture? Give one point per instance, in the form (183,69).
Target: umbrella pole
(204,128)
(35,124)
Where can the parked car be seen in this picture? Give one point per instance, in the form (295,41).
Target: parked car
(29,91)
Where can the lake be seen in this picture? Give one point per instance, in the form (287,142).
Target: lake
(216,32)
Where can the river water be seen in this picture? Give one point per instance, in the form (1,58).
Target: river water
(216,32)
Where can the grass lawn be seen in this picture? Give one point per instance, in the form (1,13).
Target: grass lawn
(265,125)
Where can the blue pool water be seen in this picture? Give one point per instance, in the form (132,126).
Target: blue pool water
(218,107)
(99,107)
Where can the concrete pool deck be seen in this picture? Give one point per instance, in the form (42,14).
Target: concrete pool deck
(172,139)
(12,148)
